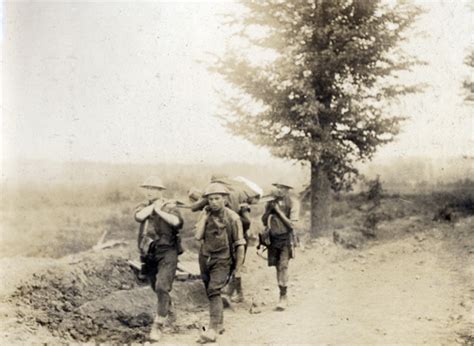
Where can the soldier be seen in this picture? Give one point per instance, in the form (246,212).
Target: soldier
(280,217)
(159,244)
(239,199)
(222,251)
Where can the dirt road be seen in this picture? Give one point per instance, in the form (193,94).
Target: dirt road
(416,289)
(410,291)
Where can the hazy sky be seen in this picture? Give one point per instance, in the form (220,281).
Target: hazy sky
(120,82)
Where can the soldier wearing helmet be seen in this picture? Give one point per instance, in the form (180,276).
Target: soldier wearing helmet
(159,245)
(222,251)
(242,193)
(280,217)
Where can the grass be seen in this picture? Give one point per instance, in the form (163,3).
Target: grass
(56,220)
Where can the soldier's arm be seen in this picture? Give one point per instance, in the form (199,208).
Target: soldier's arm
(239,260)
(288,223)
(170,215)
(238,243)
(142,212)
(199,205)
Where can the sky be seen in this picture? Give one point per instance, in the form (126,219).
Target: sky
(124,82)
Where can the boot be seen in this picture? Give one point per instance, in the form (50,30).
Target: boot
(156,331)
(283,301)
(239,297)
(216,318)
(207,336)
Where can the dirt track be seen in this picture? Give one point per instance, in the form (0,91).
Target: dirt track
(410,291)
(416,289)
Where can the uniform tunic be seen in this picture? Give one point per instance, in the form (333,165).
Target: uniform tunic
(279,252)
(223,233)
(157,229)
(159,247)
(237,200)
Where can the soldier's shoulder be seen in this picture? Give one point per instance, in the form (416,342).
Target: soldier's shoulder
(232,214)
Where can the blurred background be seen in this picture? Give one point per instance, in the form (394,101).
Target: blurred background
(97,96)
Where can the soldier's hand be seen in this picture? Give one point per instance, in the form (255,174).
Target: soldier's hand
(158,204)
(276,207)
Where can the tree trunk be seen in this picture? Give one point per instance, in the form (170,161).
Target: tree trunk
(320,200)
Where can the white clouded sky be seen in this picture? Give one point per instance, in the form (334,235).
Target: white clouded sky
(120,82)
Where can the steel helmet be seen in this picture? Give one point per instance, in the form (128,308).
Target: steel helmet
(215,188)
(153,182)
(273,195)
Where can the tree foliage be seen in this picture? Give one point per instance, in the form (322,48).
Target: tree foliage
(323,98)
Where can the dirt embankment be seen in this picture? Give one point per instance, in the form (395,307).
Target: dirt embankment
(415,289)
(92,296)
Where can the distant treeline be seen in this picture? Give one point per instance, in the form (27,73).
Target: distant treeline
(121,180)
(422,175)
(97,183)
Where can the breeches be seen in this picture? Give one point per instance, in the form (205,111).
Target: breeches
(280,258)
(215,273)
(162,270)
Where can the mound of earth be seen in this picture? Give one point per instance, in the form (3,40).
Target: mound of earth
(94,297)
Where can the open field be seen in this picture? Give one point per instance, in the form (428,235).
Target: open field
(54,220)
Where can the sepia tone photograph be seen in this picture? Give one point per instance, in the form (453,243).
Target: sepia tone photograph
(237,172)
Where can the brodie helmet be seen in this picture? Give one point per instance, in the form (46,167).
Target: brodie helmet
(216,188)
(153,182)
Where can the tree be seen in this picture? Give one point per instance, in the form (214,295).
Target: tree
(322,100)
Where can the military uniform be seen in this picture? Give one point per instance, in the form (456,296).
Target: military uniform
(159,246)
(238,199)
(280,250)
(223,233)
